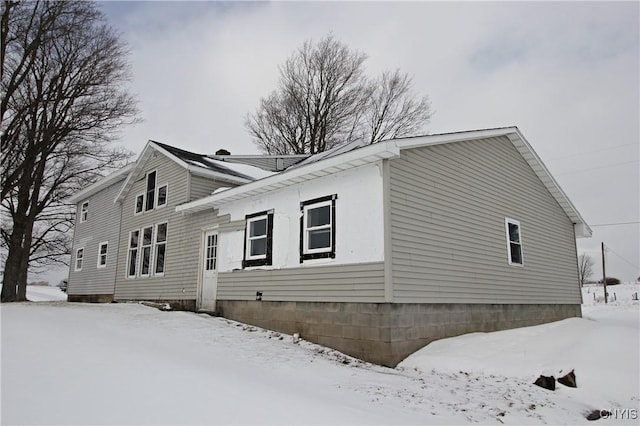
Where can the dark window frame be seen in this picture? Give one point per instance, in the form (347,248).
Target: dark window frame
(268,258)
(331,252)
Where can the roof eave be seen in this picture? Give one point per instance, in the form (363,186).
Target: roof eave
(345,161)
(106,181)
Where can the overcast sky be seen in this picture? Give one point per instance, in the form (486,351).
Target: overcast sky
(567,74)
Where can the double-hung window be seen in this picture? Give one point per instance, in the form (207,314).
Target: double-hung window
(318,228)
(84,211)
(514,242)
(258,239)
(160,248)
(102,254)
(151,191)
(162,196)
(79,259)
(134,237)
(145,251)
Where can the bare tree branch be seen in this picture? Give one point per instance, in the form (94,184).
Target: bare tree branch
(324,99)
(64,75)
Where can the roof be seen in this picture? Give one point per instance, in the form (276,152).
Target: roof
(197,164)
(105,182)
(272,163)
(351,155)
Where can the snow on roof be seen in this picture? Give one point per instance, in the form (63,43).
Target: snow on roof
(336,150)
(253,172)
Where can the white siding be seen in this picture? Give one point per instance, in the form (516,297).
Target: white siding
(359,220)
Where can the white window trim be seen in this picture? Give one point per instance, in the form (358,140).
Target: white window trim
(508,221)
(106,255)
(129,248)
(166,197)
(84,213)
(75,263)
(249,238)
(155,191)
(135,204)
(141,246)
(155,248)
(305,233)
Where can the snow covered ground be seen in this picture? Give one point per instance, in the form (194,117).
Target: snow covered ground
(66,363)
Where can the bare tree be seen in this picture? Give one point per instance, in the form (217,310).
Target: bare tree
(63,79)
(585,267)
(323,99)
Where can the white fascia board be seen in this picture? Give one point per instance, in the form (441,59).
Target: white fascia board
(368,154)
(106,181)
(520,142)
(420,141)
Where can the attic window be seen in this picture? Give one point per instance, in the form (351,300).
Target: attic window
(151,191)
(162,195)
(139,203)
(258,239)
(514,242)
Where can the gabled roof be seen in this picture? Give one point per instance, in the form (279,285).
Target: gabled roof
(348,156)
(197,164)
(106,181)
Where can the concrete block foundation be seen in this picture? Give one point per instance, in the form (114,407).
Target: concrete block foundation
(386,333)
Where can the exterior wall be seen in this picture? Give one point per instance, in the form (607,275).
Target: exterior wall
(179,283)
(102,225)
(359,240)
(328,283)
(447,209)
(386,333)
(200,187)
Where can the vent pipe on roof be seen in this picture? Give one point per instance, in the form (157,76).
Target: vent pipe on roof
(222,152)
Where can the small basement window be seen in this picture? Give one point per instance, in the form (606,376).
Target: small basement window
(318,228)
(514,242)
(258,239)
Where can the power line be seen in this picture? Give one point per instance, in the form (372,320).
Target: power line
(622,258)
(614,224)
(598,168)
(591,152)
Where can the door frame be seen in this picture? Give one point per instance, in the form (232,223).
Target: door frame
(202,259)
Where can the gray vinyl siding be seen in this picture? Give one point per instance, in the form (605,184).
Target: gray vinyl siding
(184,232)
(102,224)
(201,187)
(362,282)
(448,205)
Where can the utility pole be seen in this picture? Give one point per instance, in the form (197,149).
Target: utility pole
(604,275)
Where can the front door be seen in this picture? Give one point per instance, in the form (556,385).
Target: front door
(209,272)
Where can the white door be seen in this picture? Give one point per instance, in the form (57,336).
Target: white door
(209,272)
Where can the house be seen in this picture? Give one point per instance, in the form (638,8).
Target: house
(373,250)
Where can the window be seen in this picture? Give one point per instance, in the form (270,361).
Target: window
(162,195)
(79,259)
(102,254)
(211,253)
(133,253)
(160,248)
(514,242)
(145,251)
(318,228)
(151,191)
(139,203)
(258,240)
(84,211)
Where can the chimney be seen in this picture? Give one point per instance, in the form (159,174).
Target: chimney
(222,152)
